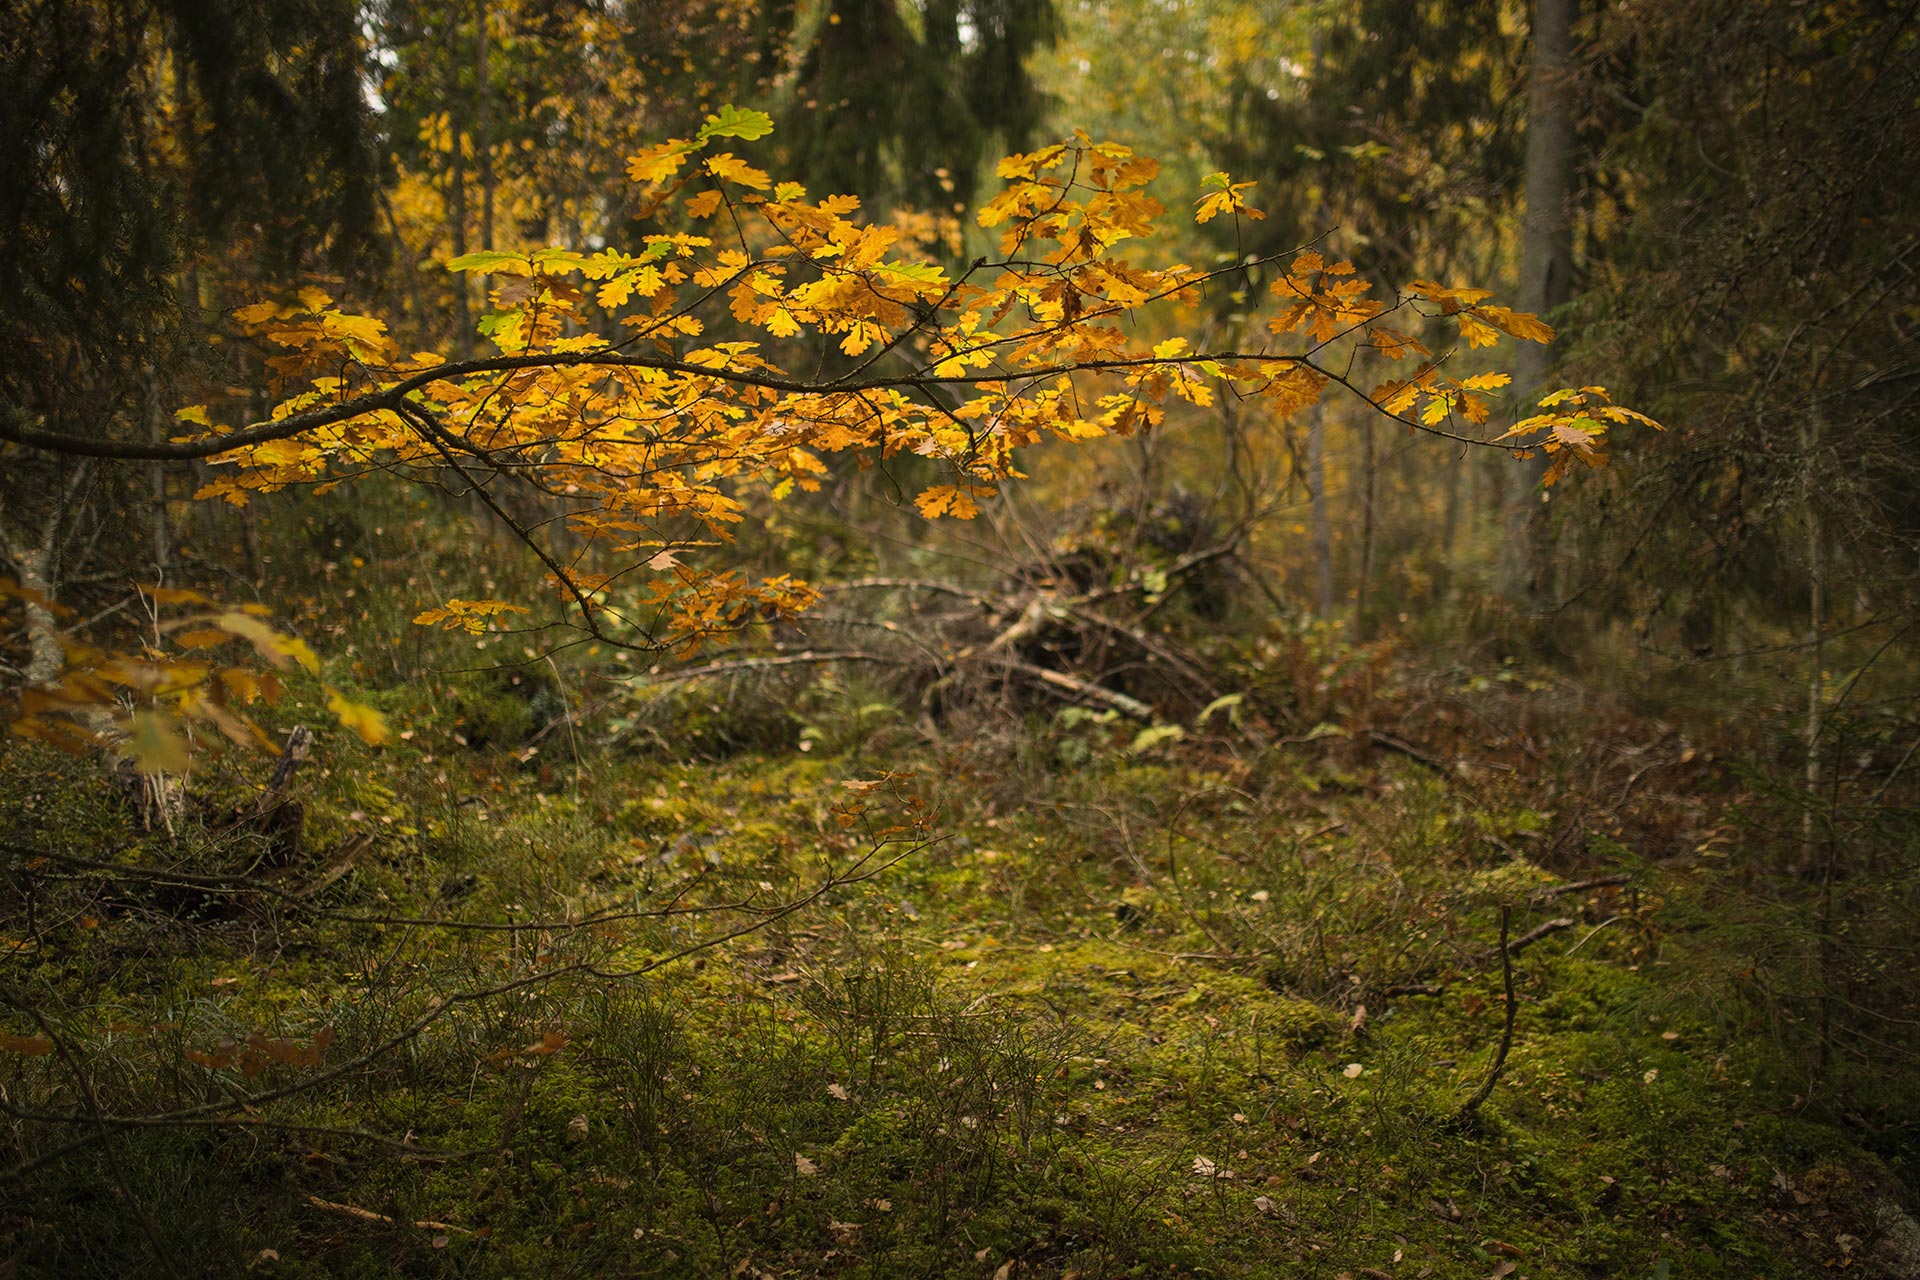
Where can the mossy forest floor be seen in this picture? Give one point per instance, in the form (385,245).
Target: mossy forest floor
(1047,1003)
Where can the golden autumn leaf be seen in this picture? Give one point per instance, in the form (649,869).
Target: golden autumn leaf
(274,646)
(175,595)
(946,500)
(202,637)
(359,717)
(658,163)
(258,313)
(471,615)
(732,169)
(1518,324)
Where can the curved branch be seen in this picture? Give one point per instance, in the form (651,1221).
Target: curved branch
(397,396)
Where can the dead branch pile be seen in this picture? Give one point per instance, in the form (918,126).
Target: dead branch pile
(1042,636)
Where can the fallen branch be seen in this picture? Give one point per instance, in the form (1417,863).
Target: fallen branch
(1534,934)
(1032,621)
(368,1215)
(348,853)
(1380,738)
(1581,886)
(1125,705)
(1153,648)
(910,584)
(766,661)
(241,886)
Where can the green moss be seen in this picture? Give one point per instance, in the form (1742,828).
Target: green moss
(1045,1040)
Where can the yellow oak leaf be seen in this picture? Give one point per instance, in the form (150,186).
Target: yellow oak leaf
(658,163)
(733,169)
(947,500)
(1518,324)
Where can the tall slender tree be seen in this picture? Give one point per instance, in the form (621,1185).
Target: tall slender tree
(1546,279)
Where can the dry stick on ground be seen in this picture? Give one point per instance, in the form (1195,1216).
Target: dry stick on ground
(761,662)
(381,1219)
(1485,1090)
(1125,705)
(1581,886)
(1532,935)
(1392,742)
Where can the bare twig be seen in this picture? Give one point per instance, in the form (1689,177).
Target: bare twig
(761,662)
(1581,886)
(1532,935)
(381,1219)
(1124,704)
(97,1118)
(1381,738)
(1485,1090)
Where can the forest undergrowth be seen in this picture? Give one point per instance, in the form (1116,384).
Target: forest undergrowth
(1376,967)
(589,752)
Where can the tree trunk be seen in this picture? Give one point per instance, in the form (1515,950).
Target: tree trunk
(457,198)
(1459,475)
(1546,282)
(483,142)
(36,566)
(1369,486)
(1322,523)
(46,655)
(160,537)
(1816,627)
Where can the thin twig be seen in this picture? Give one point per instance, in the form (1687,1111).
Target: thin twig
(1533,935)
(1124,704)
(1485,1090)
(1581,886)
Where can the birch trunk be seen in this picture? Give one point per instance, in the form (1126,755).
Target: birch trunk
(45,654)
(35,556)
